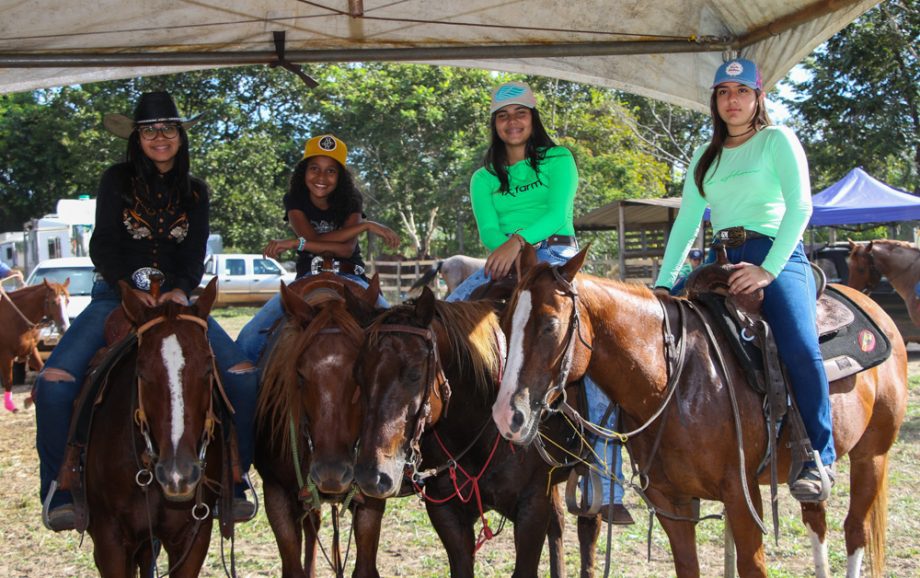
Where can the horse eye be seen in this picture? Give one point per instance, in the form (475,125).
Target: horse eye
(413,375)
(550,326)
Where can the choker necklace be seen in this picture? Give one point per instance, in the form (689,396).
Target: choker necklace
(730,135)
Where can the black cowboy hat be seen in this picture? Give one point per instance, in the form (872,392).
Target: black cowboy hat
(151,107)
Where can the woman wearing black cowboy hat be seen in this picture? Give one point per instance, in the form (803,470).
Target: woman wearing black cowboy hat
(151,216)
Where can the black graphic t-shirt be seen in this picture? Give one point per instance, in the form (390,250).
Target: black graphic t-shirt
(322,221)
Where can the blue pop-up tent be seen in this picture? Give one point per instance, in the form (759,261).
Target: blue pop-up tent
(858,198)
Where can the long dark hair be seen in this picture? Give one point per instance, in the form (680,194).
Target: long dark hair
(145,172)
(345,198)
(720,133)
(496,160)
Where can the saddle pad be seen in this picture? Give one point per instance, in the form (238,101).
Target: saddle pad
(854,347)
(851,343)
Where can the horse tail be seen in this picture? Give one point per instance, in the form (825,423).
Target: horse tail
(878,525)
(428,276)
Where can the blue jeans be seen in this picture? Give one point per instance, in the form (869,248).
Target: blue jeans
(254,335)
(789,307)
(54,399)
(609,455)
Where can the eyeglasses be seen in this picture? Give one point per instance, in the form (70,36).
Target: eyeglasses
(149,132)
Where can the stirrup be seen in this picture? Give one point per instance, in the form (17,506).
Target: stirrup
(255,498)
(46,506)
(591,502)
(825,477)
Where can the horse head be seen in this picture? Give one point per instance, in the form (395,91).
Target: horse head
(174,389)
(309,385)
(404,389)
(546,344)
(863,274)
(56,299)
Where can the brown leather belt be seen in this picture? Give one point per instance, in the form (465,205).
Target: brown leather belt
(735,237)
(567,240)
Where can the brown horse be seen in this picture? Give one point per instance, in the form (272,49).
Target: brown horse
(616,333)
(150,447)
(21,313)
(416,420)
(898,261)
(309,406)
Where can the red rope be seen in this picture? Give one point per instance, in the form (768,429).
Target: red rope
(485,533)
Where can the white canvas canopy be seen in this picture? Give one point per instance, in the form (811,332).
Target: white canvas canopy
(666,49)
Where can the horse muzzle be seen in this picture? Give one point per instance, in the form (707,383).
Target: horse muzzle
(332,477)
(178,478)
(378,482)
(516,419)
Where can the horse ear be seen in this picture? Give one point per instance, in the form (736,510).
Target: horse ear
(570,268)
(528,258)
(358,305)
(66,283)
(869,247)
(134,308)
(206,300)
(294,304)
(424,306)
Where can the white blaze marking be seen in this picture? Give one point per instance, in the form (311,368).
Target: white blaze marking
(64,318)
(819,554)
(174,362)
(854,563)
(502,408)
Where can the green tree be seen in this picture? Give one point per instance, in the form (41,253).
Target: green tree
(860,105)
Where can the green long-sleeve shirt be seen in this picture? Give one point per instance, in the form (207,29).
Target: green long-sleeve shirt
(761,185)
(537,204)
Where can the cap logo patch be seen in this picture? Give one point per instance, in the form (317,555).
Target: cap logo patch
(734,68)
(507,92)
(327,143)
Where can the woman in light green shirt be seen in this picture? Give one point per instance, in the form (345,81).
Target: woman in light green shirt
(754,178)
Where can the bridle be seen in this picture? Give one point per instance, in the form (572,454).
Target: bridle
(50,301)
(875,276)
(436,384)
(567,354)
(144,476)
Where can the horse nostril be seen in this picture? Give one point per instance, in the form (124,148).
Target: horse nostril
(384,483)
(517,420)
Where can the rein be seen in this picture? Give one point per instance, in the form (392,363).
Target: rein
(29,323)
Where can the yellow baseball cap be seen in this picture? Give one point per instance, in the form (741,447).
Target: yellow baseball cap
(326,145)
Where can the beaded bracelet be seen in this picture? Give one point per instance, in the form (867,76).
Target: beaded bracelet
(301,243)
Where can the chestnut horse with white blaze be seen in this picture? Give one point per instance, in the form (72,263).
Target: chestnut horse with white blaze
(617,334)
(898,261)
(21,313)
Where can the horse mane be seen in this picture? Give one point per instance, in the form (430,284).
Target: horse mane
(634,289)
(279,393)
(472,330)
(895,243)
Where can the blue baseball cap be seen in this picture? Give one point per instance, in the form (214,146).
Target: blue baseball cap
(695,254)
(512,93)
(739,70)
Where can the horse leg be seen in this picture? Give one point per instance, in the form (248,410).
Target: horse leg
(283,516)
(366,521)
(194,549)
(6,377)
(109,551)
(681,534)
(746,532)
(456,535)
(311,523)
(866,522)
(589,528)
(530,527)
(554,535)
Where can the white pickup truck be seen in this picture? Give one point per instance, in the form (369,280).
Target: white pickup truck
(244,279)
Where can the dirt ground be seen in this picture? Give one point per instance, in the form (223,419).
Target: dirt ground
(409,547)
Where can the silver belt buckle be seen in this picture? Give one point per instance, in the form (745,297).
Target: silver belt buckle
(141,277)
(316,266)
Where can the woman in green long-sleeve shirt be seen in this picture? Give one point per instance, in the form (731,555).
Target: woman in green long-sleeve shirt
(754,177)
(525,193)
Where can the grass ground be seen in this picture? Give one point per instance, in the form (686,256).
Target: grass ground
(410,547)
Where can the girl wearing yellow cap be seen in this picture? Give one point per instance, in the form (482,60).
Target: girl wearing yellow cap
(325,211)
